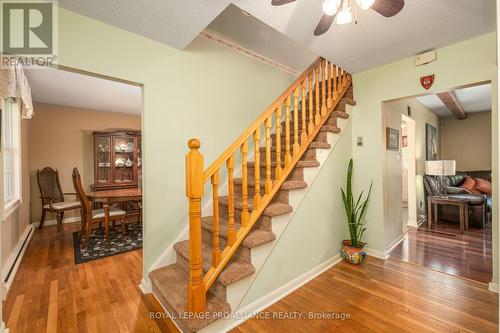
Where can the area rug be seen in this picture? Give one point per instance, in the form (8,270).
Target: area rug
(99,248)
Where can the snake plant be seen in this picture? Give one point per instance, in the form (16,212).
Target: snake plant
(355,210)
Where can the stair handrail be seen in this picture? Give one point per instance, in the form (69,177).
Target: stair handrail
(321,88)
(258,122)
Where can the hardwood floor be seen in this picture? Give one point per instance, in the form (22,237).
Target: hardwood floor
(445,249)
(385,296)
(52,294)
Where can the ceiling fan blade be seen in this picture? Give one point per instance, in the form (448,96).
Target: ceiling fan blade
(280,2)
(324,24)
(388,8)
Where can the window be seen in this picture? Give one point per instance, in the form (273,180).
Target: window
(11,130)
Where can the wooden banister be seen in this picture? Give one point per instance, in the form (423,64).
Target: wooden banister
(260,120)
(194,192)
(323,85)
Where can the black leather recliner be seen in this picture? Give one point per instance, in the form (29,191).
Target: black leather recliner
(479,204)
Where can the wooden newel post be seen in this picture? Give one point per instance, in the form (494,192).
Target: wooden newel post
(194,193)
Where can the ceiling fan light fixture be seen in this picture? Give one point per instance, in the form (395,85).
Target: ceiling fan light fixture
(344,16)
(365,4)
(330,7)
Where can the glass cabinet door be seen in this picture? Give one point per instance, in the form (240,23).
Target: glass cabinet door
(103,153)
(124,159)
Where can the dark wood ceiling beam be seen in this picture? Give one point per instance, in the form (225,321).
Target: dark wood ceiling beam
(453,104)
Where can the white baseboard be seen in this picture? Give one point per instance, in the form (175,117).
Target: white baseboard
(376,253)
(15,257)
(393,244)
(385,255)
(54,222)
(3,328)
(493,287)
(250,310)
(145,285)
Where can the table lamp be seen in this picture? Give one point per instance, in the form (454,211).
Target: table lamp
(440,168)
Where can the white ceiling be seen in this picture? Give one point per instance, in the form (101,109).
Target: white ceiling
(65,88)
(472,99)
(375,40)
(233,24)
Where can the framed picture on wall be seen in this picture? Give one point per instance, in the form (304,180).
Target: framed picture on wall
(431,150)
(391,139)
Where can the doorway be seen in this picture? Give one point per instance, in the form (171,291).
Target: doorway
(452,126)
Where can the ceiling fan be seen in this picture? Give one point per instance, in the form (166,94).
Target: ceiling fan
(342,10)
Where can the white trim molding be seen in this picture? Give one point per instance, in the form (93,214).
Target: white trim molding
(248,311)
(54,222)
(210,35)
(493,287)
(3,328)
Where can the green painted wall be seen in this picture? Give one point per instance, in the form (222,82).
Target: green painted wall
(460,64)
(206,91)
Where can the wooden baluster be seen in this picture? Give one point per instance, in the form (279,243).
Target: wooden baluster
(335,83)
(311,93)
(244,184)
(329,78)
(269,182)
(317,116)
(256,143)
(215,204)
(279,170)
(303,134)
(323,89)
(194,193)
(231,233)
(288,157)
(342,79)
(296,145)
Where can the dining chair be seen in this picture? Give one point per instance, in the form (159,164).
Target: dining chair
(52,196)
(91,216)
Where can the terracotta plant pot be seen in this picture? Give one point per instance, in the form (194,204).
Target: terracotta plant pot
(351,254)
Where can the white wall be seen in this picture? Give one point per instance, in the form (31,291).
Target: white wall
(464,63)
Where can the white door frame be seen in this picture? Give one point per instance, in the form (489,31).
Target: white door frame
(412,171)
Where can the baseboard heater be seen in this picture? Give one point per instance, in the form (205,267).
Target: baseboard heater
(11,269)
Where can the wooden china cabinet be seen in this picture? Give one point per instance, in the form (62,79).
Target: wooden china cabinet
(118,163)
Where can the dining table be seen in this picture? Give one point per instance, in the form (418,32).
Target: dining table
(107,197)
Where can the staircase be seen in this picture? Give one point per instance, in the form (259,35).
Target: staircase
(251,188)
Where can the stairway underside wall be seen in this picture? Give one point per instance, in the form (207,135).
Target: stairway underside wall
(316,230)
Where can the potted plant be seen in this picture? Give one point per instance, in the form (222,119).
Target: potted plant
(353,249)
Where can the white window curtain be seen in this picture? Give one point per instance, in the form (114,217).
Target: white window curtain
(13,84)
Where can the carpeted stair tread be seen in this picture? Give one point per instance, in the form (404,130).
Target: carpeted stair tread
(171,283)
(291,185)
(340,114)
(273,209)
(312,163)
(348,100)
(300,164)
(234,271)
(329,128)
(254,238)
(335,114)
(288,185)
(320,145)
(273,148)
(258,237)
